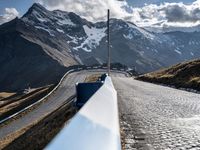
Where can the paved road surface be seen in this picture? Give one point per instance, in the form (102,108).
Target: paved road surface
(62,94)
(158,117)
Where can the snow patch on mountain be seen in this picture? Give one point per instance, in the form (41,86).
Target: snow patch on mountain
(59,30)
(65,22)
(141,53)
(193,43)
(128,37)
(38,16)
(45,29)
(94,35)
(73,40)
(155,50)
(177,51)
(92,39)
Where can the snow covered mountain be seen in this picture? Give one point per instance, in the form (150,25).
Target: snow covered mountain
(42,41)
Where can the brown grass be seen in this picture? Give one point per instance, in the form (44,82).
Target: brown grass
(10,138)
(92,78)
(40,133)
(183,75)
(5,95)
(17,102)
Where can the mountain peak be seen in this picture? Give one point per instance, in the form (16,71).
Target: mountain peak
(35,7)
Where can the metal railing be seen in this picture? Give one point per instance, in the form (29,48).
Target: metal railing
(95,126)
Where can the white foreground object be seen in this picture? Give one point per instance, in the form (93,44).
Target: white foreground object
(95,126)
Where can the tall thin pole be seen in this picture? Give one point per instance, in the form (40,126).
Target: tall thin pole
(108,39)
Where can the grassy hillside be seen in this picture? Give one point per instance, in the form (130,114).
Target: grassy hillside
(183,75)
(5,95)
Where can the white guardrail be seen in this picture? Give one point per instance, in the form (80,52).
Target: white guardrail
(95,126)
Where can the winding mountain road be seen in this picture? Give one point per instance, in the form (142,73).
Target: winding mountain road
(55,100)
(65,90)
(157,117)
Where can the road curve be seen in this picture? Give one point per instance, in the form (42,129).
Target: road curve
(157,117)
(64,91)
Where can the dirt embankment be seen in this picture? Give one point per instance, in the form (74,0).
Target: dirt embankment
(183,75)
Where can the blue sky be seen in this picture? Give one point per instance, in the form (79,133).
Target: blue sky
(23,5)
(175,13)
(20,5)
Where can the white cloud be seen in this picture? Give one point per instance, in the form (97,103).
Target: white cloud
(168,14)
(165,15)
(9,14)
(93,10)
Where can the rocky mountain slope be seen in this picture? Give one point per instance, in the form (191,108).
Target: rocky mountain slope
(36,48)
(29,58)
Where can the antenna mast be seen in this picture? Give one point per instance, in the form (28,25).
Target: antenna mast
(108,40)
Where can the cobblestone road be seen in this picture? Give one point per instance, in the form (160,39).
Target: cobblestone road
(157,117)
